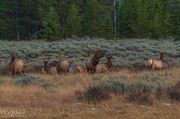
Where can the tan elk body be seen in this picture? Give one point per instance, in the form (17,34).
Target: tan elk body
(16,65)
(49,68)
(156,63)
(63,66)
(102,68)
(76,69)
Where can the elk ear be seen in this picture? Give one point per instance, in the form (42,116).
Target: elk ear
(13,54)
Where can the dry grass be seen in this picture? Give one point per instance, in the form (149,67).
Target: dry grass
(58,101)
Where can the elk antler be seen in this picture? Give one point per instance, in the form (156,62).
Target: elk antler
(99,48)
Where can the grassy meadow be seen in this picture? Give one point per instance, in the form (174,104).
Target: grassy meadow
(122,93)
(126,52)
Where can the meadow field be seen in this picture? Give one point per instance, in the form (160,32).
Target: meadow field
(126,52)
(122,93)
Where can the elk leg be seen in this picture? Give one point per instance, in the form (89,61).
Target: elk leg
(153,67)
(88,71)
(13,72)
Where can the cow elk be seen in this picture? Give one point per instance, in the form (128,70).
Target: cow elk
(102,68)
(76,69)
(49,68)
(16,65)
(63,66)
(156,63)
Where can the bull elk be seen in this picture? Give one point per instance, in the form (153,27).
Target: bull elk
(156,63)
(102,68)
(50,68)
(16,65)
(92,61)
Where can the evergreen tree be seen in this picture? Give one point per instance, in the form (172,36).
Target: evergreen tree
(54,19)
(106,19)
(142,19)
(74,21)
(3,20)
(91,18)
(174,6)
(51,25)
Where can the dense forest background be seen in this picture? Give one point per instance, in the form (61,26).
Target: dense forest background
(59,19)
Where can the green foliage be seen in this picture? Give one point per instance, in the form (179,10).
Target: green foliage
(175,18)
(131,53)
(54,19)
(51,25)
(3,23)
(92,94)
(120,86)
(91,18)
(141,18)
(74,21)
(106,27)
(145,90)
(29,80)
(113,86)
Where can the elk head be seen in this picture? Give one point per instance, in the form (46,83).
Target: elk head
(161,56)
(97,54)
(45,66)
(13,56)
(109,60)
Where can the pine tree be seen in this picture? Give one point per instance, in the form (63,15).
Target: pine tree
(142,19)
(106,28)
(3,21)
(174,6)
(91,18)
(74,21)
(51,25)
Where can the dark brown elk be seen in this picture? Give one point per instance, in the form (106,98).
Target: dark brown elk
(16,65)
(102,68)
(92,61)
(156,63)
(161,56)
(63,66)
(49,68)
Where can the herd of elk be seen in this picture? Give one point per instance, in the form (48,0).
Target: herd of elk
(56,67)
(65,66)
